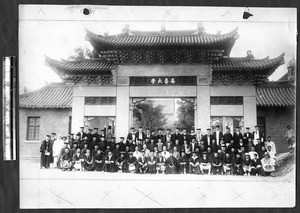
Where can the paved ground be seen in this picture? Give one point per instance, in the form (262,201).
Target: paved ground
(57,189)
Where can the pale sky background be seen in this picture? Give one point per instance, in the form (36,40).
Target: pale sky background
(56,31)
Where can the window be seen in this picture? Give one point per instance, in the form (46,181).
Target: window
(227,121)
(33,128)
(226,100)
(100,100)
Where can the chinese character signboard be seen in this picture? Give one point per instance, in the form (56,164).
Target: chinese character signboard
(163,81)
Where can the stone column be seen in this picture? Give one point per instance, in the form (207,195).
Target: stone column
(203,107)
(77,113)
(122,111)
(250,114)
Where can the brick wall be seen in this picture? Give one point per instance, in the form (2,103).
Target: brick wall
(277,118)
(51,120)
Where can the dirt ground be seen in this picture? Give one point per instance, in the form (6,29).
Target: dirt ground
(53,188)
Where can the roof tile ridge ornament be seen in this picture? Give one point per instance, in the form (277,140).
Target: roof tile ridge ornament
(200,28)
(250,55)
(126,30)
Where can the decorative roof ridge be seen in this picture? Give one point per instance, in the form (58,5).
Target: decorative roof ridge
(104,60)
(277,83)
(281,57)
(136,33)
(45,87)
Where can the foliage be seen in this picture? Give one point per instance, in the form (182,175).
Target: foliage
(81,53)
(185,115)
(147,115)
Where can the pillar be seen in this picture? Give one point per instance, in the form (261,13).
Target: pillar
(77,113)
(250,114)
(122,111)
(203,107)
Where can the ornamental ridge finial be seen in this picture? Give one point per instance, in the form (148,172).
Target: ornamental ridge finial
(200,28)
(126,29)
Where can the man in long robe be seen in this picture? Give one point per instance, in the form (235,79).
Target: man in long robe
(171,164)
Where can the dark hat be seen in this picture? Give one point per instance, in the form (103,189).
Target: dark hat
(199,129)
(255,126)
(81,127)
(204,153)
(96,128)
(66,142)
(53,133)
(208,129)
(48,136)
(237,127)
(121,137)
(131,127)
(78,134)
(247,127)
(160,129)
(140,127)
(168,129)
(217,126)
(255,153)
(90,129)
(143,151)
(102,130)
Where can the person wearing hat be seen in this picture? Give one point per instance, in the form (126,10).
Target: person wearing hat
(70,139)
(257,134)
(82,133)
(216,164)
(192,134)
(252,152)
(121,163)
(268,164)
(142,163)
(198,135)
(74,148)
(183,164)
(205,164)
(247,164)
(218,135)
(46,152)
(77,140)
(153,135)
(256,168)
(160,135)
(208,137)
(167,137)
(177,136)
(227,164)
(122,144)
(247,135)
(109,136)
(160,164)
(269,142)
(131,135)
(53,137)
(194,164)
(185,135)
(237,135)
(152,160)
(131,163)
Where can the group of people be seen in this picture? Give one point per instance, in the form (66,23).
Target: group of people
(152,152)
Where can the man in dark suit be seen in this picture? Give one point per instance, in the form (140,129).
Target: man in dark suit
(82,133)
(227,136)
(177,136)
(185,135)
(208,138)
(218,135)
(89,136)
(46,153)
(160,135)
(198,136)
(96,134)
(257,134)
(140,135)
(237,136)
(247,135)
(131,135)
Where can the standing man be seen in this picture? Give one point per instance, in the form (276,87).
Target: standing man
(82,134)
(290,138)
(227,136)
(96,134)
(257,135)
(89,136)
(160,135)
(46,152)
(177,136)
(131,135)
(207,138)
(185,135)
(269,142)
(140,135)
(237,136)
(247,135)
(218,135)
(168,136)
(198,135)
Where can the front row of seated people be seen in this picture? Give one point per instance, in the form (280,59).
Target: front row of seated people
(128,163)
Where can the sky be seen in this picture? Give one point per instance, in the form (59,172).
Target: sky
(56,31)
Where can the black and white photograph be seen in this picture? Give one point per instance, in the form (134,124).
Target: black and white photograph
(157,107)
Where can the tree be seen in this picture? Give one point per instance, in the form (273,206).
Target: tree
(81,53)
(185,115)
(148,116)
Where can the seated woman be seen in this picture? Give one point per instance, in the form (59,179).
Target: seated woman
(77,160)
(216,164)
(142,163)
(152,163)
(194,164)
(88,161)
(268,164)
(121,163)
(227,164)
(66,160)
(256,168)
(160,165)
(205,164)
(99,160)
(247,164)
(109,162)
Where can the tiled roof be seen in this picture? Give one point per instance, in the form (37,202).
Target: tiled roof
(242,64)
(148,40)
(275,94)
(55,95)
(86,66)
